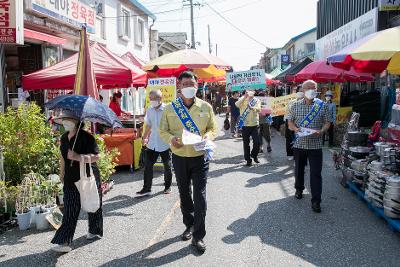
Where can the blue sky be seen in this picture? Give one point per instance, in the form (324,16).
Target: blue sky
(270,22)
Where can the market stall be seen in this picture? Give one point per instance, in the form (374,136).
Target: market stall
(111,72)
(370,163)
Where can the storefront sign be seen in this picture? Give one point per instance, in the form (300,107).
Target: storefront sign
(11,22)
(386,5)
(280,104)
(343,115)
(71,12)
(285,59)
(239,81)
(347,34)
(167,87)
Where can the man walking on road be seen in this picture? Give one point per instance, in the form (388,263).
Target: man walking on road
(155,146)
(234,111)
(309,113)
(249,122)
(191,167)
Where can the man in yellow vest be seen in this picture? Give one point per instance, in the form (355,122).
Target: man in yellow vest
(191,167)
(249,122)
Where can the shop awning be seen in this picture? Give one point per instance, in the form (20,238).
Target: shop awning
(31,34)
(275,72)
(288,75)
(110,70)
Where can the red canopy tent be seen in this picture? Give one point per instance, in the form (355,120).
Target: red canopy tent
(128,56)
(111,72)
(319,71)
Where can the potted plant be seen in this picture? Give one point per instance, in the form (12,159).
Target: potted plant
(22,204)
(106,163)
(43,197)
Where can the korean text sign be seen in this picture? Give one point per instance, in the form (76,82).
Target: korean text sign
(73,12)
(11,22)
(167,87)
(242,80)
(280,104)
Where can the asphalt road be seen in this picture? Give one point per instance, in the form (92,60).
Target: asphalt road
(253,219)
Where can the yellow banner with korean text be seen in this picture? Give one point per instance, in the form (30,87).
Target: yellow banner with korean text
(343,115)
(280,104)
(167,86)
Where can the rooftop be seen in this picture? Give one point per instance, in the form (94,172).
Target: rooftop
(143,8)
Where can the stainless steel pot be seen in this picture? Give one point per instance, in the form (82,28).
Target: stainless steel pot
(389,203)
(392,190)
(358,138)
(359,152)
(394,197)
(392,213)
(380,148)
(393,181)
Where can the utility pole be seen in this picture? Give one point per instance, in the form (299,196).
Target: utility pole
(216,49)
(192,24)
(191,4)
(209,40)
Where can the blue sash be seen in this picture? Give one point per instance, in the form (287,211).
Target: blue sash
(188,123)
(184,116)
(246,112)
(310,117)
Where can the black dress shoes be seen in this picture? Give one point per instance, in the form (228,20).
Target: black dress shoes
(249,163)
(256,160)
(298,194)
(316,207)
(187,234)
(199,245)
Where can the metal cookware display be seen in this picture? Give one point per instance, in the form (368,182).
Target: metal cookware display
(393,181)
(375,165)
(359,152)
(356,138)
(380,148)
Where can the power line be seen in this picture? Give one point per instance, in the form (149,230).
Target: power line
(234,26)
(144,14)
(222,12)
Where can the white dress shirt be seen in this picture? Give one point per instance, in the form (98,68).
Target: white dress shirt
(152,119)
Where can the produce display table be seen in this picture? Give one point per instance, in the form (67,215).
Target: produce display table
(127,145)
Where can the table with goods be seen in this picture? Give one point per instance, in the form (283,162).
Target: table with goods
(372,170)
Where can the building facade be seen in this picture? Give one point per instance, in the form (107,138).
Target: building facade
(301,46)
(51,34)
(342,22)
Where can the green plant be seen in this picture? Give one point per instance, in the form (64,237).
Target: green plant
(28,143)
(106,162)
(24,195)
(8,196)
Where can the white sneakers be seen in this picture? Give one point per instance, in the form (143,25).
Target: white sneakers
(90,236)
(290,158)
(62,248)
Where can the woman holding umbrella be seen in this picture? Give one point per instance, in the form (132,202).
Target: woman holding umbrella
(76,145)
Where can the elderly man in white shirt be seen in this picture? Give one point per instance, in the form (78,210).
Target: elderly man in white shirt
(155,147)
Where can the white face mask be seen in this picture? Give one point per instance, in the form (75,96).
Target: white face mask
(328,98)
(154,103)
(69,125)
(299,95)
(189,92)
(310,94)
